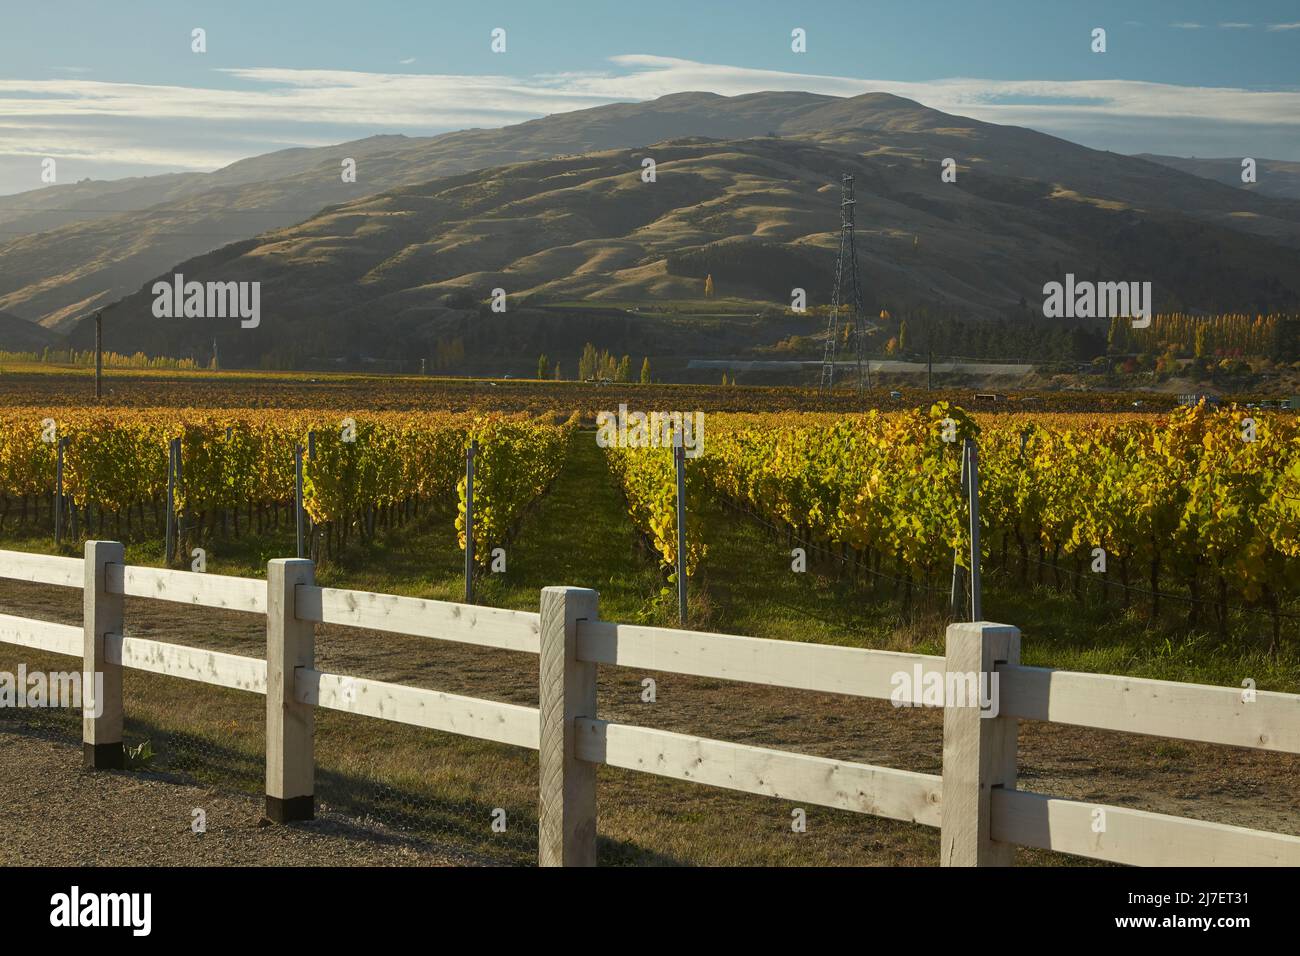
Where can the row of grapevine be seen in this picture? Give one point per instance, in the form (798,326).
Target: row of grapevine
(377,469)
(648,478)
(516,461)
(380,469)
(1192,498)
(886,486)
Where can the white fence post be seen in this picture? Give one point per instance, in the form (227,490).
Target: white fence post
(566,819)
(101,682)
(979,752)
(290,725)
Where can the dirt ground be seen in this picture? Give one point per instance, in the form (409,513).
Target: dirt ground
(56,814)
(49,805)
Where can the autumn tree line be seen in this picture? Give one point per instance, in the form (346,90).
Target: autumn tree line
(1028,337)
(1274,336)
(596,364)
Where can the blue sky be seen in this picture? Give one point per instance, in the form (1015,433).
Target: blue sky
(113,88)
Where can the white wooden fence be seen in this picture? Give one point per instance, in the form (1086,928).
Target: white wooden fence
(975,803)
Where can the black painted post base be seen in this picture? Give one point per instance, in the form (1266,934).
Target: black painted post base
(103,756)
(291,809)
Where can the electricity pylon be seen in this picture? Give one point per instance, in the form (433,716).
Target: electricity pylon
(847,294)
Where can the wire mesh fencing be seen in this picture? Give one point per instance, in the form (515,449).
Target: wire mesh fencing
(470,797)
(204,734)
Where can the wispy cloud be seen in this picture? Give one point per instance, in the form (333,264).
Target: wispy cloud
(1235,26)
(408,61)
(186,127)
(1186,26)
(1275,27)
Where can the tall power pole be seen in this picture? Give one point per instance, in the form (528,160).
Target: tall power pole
(847,295)
(929,362)
(99,354)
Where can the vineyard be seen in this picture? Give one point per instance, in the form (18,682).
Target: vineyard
(1197,507)
(379,471)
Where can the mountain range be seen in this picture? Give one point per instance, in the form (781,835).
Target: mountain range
(747,189)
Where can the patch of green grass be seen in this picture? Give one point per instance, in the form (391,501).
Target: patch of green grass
(140,756)
(1060,631)
(579,536)
(746,586)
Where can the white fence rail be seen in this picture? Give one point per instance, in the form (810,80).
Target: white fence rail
(1214,715)
(187,587)
(416,617)
(975,803)
(41,635)
(824,667)
(42,569)
(189,663)
(880,791)
(435,710)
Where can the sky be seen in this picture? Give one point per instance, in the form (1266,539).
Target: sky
(113,88)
